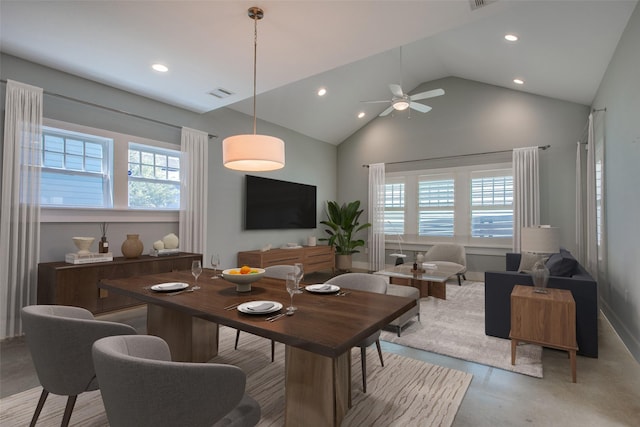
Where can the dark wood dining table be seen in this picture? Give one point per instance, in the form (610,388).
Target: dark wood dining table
(318,337)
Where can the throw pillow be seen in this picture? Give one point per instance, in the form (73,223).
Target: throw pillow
(527,261)
(562,264)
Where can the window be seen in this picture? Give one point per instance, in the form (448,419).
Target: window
(472,204)
(76,169)
(86,168)
(394,206)
(436,205)
(491,204)
(154,177)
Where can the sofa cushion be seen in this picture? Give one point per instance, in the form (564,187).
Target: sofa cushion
(562,264)
(528,260)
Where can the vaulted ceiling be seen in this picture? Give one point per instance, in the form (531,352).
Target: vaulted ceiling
(351,48)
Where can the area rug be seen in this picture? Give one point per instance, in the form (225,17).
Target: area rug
(455,327)
(403,392)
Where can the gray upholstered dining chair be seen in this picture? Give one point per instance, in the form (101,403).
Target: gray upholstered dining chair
(141,386)
(449,252)
(370,283)
(274,272)
(59,339)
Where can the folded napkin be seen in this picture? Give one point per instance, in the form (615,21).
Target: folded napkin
(261,307)
(324,288)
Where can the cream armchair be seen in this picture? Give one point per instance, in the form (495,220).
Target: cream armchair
(449,253)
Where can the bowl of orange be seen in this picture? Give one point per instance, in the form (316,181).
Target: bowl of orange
(243,276)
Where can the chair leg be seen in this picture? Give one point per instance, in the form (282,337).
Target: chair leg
(71,401)
(237,338)
(399,330)
(459,281)
(363,360)
(43,397)
(379,352)
(273,350)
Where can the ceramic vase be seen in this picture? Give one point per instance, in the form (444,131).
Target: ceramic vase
(132,247)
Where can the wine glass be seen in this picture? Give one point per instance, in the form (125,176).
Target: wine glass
(215,262)
(196,270)
(299,273)
(291,288)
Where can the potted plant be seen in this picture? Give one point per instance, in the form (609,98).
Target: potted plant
(343,225)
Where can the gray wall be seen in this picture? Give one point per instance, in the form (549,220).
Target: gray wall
(472,118)
(619,92)
(307,160)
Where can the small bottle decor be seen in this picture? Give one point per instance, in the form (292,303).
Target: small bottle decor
(103,245)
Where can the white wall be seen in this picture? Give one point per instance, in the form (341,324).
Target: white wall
(473,117)
(619,93)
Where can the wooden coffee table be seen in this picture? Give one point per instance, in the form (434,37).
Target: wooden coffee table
(433,282)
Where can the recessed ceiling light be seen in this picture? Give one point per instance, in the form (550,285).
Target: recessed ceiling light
(160,68)
(322,91)
(511,37)
(518,81)
(361,114)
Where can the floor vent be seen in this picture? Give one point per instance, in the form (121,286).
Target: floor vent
(221,93)
(477,4)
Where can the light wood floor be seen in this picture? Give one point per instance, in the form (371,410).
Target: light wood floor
(607,392)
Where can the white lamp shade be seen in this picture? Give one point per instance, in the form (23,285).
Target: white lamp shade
(254,153)
(540,240)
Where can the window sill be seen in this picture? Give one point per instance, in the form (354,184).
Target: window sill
(106,215)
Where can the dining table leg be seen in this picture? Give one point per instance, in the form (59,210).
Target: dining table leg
(190,339)
(317,388)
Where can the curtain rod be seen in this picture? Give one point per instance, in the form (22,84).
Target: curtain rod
(114,110)
(540,147)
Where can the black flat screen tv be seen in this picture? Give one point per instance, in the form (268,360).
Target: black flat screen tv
(273,204)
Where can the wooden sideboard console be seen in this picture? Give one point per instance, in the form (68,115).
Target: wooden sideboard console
(77,284)
(314,258)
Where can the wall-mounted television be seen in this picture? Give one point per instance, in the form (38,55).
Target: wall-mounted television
(273,204)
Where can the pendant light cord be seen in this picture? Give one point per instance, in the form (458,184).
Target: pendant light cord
(255,61)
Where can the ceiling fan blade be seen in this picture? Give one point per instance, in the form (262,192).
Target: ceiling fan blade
(374,102)
(387,111)
(427,94)
(420,107)
(396,90)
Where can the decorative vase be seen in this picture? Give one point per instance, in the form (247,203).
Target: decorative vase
(540,277)
(83,244)
(132,247)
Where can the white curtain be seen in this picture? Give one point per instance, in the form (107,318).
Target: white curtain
(376,216)
(20,210)
(526,191)
(591,237)
(580,210)
(194,177)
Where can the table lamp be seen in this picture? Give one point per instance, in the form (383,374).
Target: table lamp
(540,240)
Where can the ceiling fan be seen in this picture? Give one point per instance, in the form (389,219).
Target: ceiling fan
(401,101)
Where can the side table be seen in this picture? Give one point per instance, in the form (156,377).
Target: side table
(547,319)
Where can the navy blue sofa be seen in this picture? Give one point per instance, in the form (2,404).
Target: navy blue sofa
(497,299)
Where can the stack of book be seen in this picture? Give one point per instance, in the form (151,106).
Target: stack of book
(74,258)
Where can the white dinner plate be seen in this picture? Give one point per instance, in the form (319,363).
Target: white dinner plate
(259,307)
(323,288)
(169,287)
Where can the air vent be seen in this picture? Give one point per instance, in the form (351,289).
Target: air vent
(221,93)
(477,4)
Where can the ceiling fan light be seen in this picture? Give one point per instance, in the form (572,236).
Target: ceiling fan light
(253,153)
(401,104)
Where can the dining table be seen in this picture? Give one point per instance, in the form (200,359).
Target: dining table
(318,337)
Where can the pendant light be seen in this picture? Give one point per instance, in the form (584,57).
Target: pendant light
(254,153)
